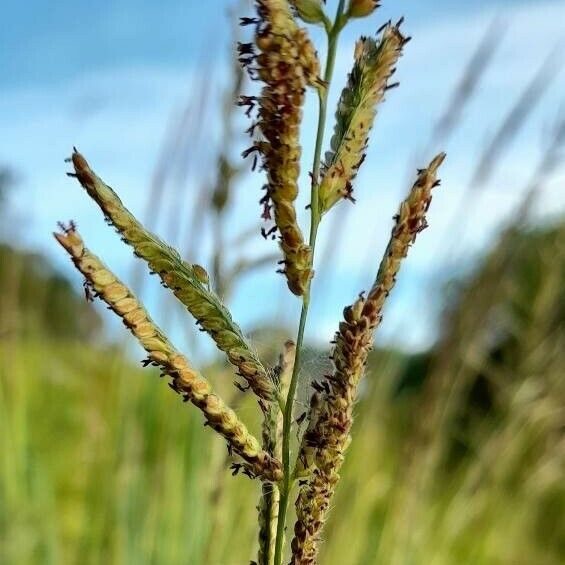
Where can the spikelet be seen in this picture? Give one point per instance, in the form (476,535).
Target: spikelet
(185,380)
(361,8)
(323,446)
(272,444)
(375,61)
(309,11)
(187,282)
(286,63)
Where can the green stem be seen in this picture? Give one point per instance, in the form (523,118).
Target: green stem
(288,480)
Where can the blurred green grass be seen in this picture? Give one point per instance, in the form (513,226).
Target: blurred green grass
(101,464)
(458,453)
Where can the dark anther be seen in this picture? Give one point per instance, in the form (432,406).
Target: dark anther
(248,21)
(384,26)
(266,233)
(245,48)
(248,472)
(87,291)
(240,387)
(317,386)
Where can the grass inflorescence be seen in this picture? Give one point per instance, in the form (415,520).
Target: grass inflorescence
(283,59)
(331,414)
(189,283)
(185,380)
(374,65)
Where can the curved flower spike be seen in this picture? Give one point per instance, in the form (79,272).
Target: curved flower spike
(187,282)
(286,63)
(185,380)
(324,443)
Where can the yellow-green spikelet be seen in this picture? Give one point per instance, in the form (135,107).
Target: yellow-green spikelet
(324,443)
(375,61)
(187,282)
(286,63)
(185,380)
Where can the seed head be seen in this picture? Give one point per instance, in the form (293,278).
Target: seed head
(185,380)
(188,282)
(272,444)
(375,61)
(324,443)
(286,63)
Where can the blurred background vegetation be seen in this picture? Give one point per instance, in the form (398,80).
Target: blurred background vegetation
(459,448)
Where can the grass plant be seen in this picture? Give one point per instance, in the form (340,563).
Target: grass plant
(283,59)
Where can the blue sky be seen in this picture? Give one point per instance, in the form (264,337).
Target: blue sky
(47,42)
(110,79)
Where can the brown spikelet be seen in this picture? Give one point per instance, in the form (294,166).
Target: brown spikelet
(323,446)
(286,63)
(186,381)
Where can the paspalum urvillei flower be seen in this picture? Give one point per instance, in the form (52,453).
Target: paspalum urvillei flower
(286,62)
(331,417)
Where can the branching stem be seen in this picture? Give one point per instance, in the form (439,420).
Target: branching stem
(288,480)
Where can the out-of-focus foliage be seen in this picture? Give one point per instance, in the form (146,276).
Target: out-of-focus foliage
(6,179)
(518,331)
(462,463)
(476,427)
(36,299)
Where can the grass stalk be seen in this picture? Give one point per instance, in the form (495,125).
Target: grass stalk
(272,444)
(285,60)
